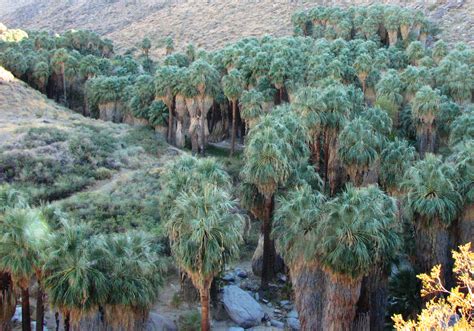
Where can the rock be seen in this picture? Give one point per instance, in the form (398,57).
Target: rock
(241,307)
(256,296)
(293,323)
(277,311)
(241,273)
(277,324)
(264,300)
(257,260)
(157,322)
(235,328)
(269,304)
(293,314)
(228,277)
(17,316)
(219,313)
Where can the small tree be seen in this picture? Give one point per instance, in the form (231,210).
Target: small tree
(145,46)
(449,308)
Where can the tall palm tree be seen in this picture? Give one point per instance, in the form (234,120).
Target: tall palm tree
(425,108)
(274,149)
(296,214)
(363,66)
(232,85)
(165,83)
(72,277)
(351,238)
(201,221)
(462,128)
(432,189)
(58,62)
(41,74)
(23,234)
(206,81)
(145,45)
(309,103)
(9,198)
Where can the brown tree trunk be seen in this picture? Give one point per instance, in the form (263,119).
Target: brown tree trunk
(432,246)
(373,300)
(170,125)
(63,73)
(205,304)
(7,301)
(234,126)
(308,282)
(341,303)
(39,308)
(25,310)
(268,251)
(67,321)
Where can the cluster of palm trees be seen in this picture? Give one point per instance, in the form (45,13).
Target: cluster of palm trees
(356,143)
(112,280)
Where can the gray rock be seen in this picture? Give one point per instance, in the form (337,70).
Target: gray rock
(228,277)
(241,307)
(257,296)
(235,328)
(277,324)
(157,322)
(293,324)
(241,273)
(293,314)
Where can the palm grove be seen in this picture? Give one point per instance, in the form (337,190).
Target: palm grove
(357,161)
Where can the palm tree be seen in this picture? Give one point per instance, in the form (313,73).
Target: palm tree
(201,221)
(41,74)
(440,50)
(9,198)
(363,66)
(413,78)
(169,45)
(135,274)
(415,52)
(58,62)
(359,147)
(392,23)
(232,84)
(23,234)
(145,46)
(297,213)
(279,72)
(251,107)
(72,277)
(338,106)
(351,238)
(205,80)
(165,81)
(433,196)
(395,159)
(425,108)
(309,103)
(274,149)
(462,128)
(389,93)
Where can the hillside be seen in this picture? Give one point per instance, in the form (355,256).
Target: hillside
(105,170)
(208,24)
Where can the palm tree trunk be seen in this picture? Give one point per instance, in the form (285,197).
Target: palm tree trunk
(268,249)
(373,300)
(432,246)
(63,73)
(205,304)
(341,303)
(67,321)
(308,282)
(234,126)
(7,301)
(25,310)
(170,125)
(39,308)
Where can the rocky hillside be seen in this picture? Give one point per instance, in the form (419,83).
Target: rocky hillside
(207,23)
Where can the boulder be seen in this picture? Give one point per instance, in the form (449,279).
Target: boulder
(277,324)
(157,322)
(293,324)
(241,307)
(235,328)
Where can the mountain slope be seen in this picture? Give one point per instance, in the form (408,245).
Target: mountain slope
(208,24)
